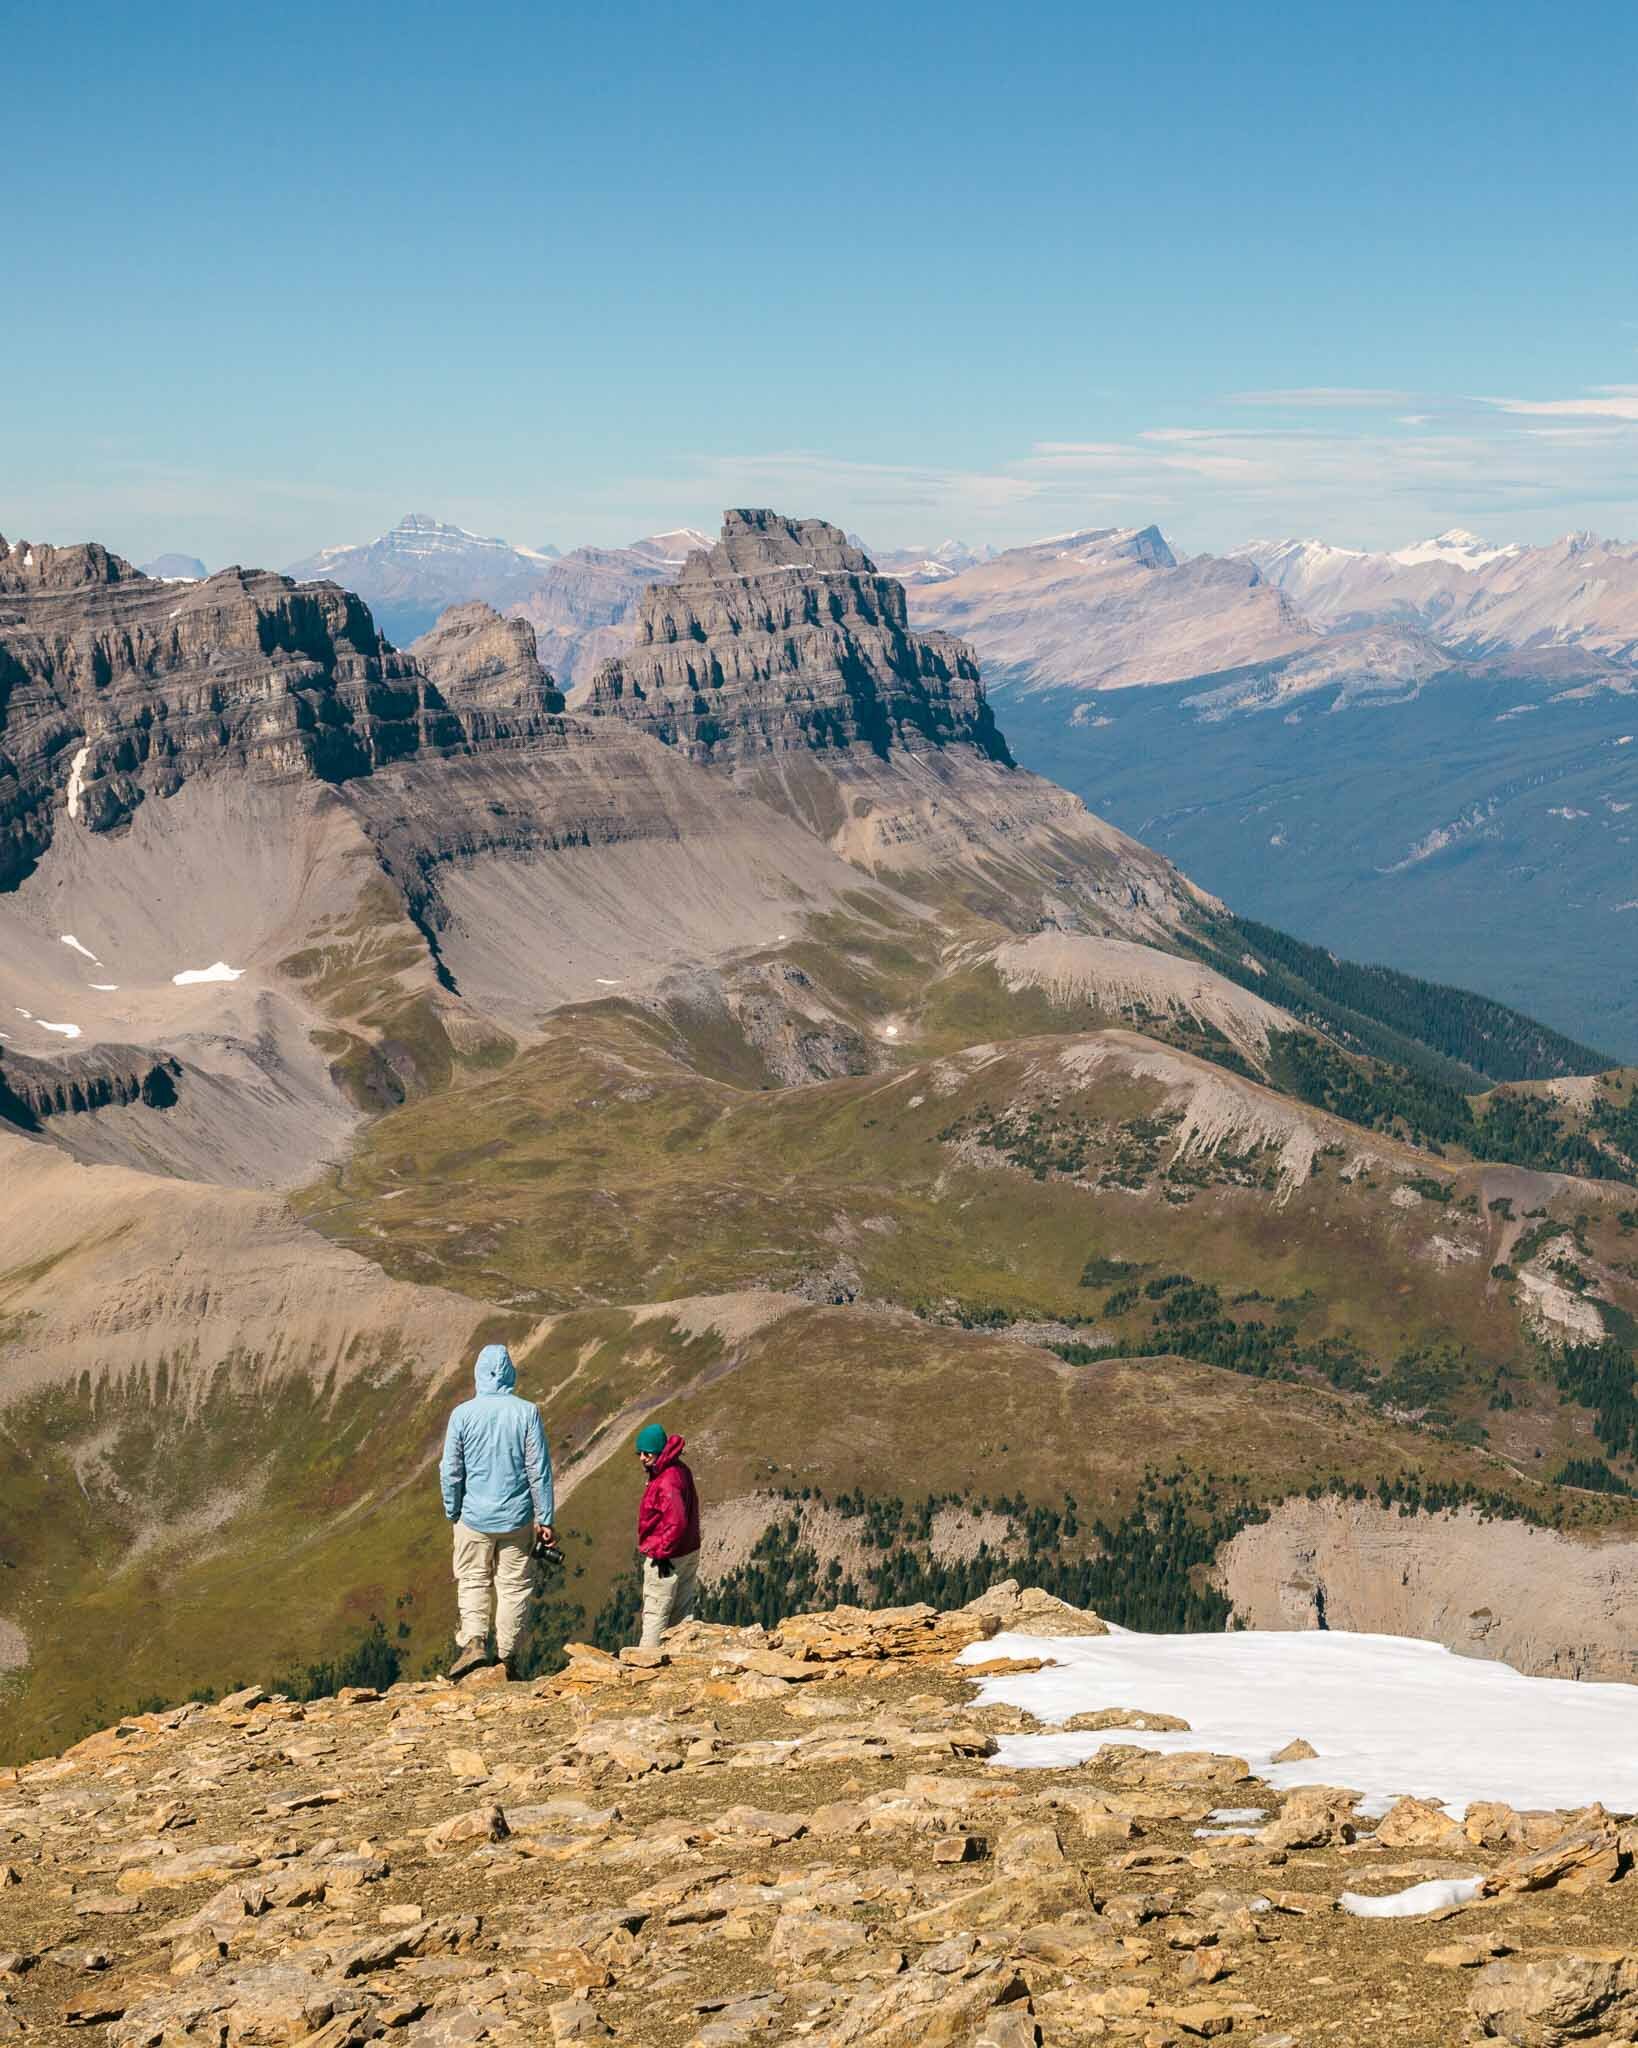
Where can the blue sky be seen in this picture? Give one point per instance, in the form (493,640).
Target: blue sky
(275,277)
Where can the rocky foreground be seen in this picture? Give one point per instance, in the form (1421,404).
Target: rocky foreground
(756,1837)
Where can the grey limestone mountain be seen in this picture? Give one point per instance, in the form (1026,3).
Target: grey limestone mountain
(118,687)
(486,663)
(409,574)
(176,568)
(202,784)
(783,636)
(583,605)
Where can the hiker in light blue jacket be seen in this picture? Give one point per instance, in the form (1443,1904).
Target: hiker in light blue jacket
(496,1474)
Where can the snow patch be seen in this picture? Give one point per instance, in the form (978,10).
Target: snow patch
(62,1030)
(76,779)
(1387,1714)
(106,988)
(1407,1905)
(219,971)
(70,940)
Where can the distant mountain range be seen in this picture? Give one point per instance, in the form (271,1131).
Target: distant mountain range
(1471,816)
(1579,592)
(412,573)
(1489,791)
(582,609)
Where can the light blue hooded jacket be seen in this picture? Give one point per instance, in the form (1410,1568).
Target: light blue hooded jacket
(496,1470)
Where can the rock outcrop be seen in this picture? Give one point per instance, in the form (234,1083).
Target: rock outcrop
(487,665)
(584,607)
(783,636)
(32,1089)
(720,1842)
(116,687)
(1460,1579)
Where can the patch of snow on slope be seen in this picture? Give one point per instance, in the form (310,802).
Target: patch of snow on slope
(62,1030)
(219,971)
(76,779)
(1386,1714)
(1408,1905)
(70,940)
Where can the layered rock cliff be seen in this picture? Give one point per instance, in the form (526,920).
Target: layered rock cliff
(783,636)
(116,687)
(489,666)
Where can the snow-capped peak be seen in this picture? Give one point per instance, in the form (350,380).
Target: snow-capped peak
(1456,547)
(1292,551)
(1146,544)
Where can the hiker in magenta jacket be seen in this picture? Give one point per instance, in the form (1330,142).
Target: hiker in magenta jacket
(668,1533)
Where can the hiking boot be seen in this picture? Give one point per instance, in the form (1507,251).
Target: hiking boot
(469,1657)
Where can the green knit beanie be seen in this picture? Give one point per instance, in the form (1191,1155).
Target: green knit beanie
(651,1439)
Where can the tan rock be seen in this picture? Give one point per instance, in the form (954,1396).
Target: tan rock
(960,1849)
(1418,1824)
(1071,1943)
(1296,1752)
(466,1764)
(1124,1717)
(577,2019)
(1313,1817)
(1205,2018)
(1578,1862)
(802,1939)
(1182,1767)
(1465,1955)
(1008,2026)
(571,1967)
(219,1860)
(1555,2000)
(1028,1850)
(869,1635)
(1490,1824)
(919,2009)
(1028,1611)
(839,1817)
(1004,1904)
(756,1824)
(482,1824)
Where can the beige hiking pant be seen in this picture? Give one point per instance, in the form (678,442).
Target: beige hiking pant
(499,1563)
(670,1599)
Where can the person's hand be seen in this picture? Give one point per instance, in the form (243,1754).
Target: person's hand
(545,1532)
(662,1567)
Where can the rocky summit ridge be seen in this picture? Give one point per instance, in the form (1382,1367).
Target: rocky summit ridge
(783,635)
(116,687)
(752,1836)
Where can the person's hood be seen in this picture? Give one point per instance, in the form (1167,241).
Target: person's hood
(674,1448)
(495,1373)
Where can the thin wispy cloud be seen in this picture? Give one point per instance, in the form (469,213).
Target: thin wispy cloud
(1377,484)
(1604,401)
(1324,397)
